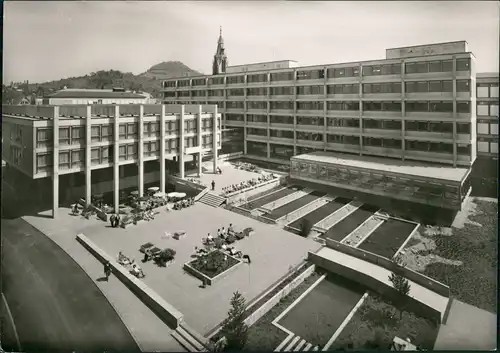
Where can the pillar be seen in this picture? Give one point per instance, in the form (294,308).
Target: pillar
(141,151)
(215,129)
(88,155)
(162,149)
(199,156)
(116,160)
(182,143)
(55,165)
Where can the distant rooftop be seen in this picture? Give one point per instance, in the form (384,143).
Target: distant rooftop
(408,168)
(94,93)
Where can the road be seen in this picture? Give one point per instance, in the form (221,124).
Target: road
(54,304)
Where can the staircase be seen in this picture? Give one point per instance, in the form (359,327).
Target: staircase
(190,339)
(212,199)
(296,344)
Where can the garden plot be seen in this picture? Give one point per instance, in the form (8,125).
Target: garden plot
(321,213)
(261,201)
(343,228)
(464,257)
(318,315)
(294,205)
(386,240)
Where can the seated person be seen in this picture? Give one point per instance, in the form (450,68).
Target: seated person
(219,233)
(232,251)
(122,259)
(223,231)
(137,271)
(210,238)
(224,247)
(230,229)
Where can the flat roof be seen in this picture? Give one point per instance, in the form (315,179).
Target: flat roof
(91,93)
(428,44)
(263,62)
(407,168)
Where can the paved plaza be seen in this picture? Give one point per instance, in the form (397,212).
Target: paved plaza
(230,175)
(273,252)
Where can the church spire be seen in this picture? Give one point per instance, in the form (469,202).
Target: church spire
(220,58)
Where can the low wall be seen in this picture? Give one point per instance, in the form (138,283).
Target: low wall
(204,278)
(383,289)
(264,309)
(252,190)
(101,214)
(166,312)
(416,277)
(184,182)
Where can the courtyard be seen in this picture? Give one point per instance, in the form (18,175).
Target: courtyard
(273,252)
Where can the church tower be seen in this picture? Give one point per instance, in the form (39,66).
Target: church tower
(220,58)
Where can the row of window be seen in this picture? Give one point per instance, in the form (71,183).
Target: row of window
(487,90)
(386,87)
(487,109)
(368,70)
(487,129)
(487,147)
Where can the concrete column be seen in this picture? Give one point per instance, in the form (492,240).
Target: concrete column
(215,129)
(162,148)
(141,151)
(200,142)
(55,165)
(245,148)
(182,143)
(88,155)
(116,159)
(455,137)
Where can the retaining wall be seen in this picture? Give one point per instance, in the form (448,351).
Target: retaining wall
(166,312)
(383,289)
(252,190)
(416,277)
(264,309)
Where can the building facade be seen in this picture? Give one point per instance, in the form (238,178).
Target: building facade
(417,104)
(487,115)
(101,145)
(94,96)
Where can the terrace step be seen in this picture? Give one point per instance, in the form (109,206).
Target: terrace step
(196,335)
(337,216)
(183,342)
(191,339)
(285,200)
(212,199)
(307,347)
(292,344)
(304,210)
(297,344)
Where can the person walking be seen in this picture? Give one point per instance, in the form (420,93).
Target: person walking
(107,270)
(117,220)
(112,219)
(213,185)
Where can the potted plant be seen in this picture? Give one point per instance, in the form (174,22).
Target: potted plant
(166,257)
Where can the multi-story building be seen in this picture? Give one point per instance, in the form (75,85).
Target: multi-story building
(91,149)
(487,115)
(94,96)
(417,104)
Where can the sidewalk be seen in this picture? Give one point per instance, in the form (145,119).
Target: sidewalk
(150,333)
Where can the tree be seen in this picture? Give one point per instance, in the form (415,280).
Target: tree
(234,328)
(402,286)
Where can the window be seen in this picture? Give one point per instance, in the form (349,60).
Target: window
(435,86)
(309,105)
(463,64)
(281,91)
(440,147)
(410,68)
(310,90)
(257,91)
(447,86)
(344,72)
(235,80)
(217,93)
(257,78)
(216,81)
(417,106)
(199,82)
(234,105)
(483,90)
(277,105)
(422,67)
(64,136)
(464,150)
(463,107)
(257,118)
(372,141)
(441,127)
(391,106)
(106,132)
(435,66)
(122,130)
(352,106)
(256,105)
(255,131)
(494,90)
(310,75)
(282,76)
(494,129)
(447,65)
(463,128)
(372,106)
(183,83)
(43,161)
(391,143)
(77,134)
(494,110)
(441,107)
(281,134)
(422,86)
(463,85)
(77,158)
(64,160)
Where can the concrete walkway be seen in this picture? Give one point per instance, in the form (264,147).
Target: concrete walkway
(422,294)
(467,328)
(150,333)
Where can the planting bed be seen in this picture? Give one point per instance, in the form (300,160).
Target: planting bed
(213,264)
(475,246)
(294,205)
(342,229)
(388,238)
(322,212)
(263,335)
(320,313)
(269,198)
(376,317)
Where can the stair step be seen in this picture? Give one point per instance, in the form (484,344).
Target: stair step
(187,336)
(316,348)
(202,340)
(307,347)
(183,342)
(293,343)
(299,346)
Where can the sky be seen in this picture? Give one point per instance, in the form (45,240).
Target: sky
(53,40)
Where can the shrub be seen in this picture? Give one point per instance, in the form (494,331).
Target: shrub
(305,227)
(165,256)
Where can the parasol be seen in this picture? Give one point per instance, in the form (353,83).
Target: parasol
(154,188)
(159,194)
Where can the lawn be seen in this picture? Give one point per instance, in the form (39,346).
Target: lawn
(213,264)
(263,335)
(377,320)
(475,281)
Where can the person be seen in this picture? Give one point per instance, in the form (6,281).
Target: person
(223,231)
(219,234)
(107,270)
(224,247)
(75,208)
(247,257)
(210,237)
(117,222)
(230,229)
(112,219)
(219,171)
(137,271)
(213,185)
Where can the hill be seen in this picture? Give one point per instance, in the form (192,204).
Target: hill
(149,81)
